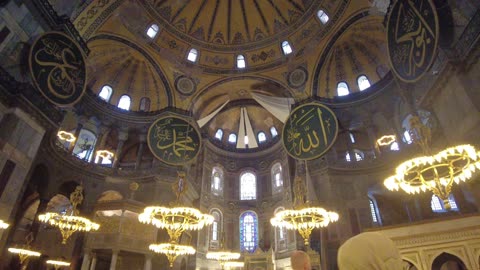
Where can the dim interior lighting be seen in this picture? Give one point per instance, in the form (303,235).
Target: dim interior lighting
(24,254)
(172,250)
(66,136)
(436,173)
(386,140)
(234,264)
(70,222)
(105,154)
(3,224)
(58,264)
(223,256)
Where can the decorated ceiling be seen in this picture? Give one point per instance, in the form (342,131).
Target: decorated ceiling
(347,43)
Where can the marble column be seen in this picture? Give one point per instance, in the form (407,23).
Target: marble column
(372,138)
(42,206)
(86,260)
(81,121)
(94,262)
(122,138)
(148,262)
(350,151)
(142,138)
(113,262)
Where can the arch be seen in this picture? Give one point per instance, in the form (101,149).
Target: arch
(248,185)
(281,235)
(261,137)
(40,179)
(106,92)
(84,145)
(110,195)
(363,82)
(248,231)
(232,138)
(447,261)
(124,102)
(408,265)
(343,89)
(66,188)
(216,229)
(217,181)
(276,173)
(144,104)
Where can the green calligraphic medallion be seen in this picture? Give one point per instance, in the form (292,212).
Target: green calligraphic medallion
(57,66)
(310,130)
(412,38)
(174,140)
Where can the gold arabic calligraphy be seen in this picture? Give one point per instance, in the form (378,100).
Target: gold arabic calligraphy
(175,137)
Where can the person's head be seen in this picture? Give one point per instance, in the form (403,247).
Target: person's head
(300,260)
(370,250)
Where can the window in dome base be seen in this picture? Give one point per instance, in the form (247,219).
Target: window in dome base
(241,62)
(323,16)
(342,89)
(106,93)
(124,102)
(232,138)
(219,134)
(192,55)
(152,31)
(363,82)
(287,49)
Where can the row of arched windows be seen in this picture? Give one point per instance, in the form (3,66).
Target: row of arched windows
(248,229)
(362,82)
(232,137)
(241,63)
(125,101)
(248,182)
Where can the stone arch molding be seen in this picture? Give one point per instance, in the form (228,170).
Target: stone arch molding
(457,252)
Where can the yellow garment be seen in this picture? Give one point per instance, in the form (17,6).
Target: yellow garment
(369,251)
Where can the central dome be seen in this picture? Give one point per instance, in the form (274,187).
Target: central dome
(216,24)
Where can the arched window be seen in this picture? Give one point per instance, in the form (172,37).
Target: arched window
(216,228)
(261,137)
(280,235)
(407,138)
(273,131)
(287,49)
(373,211)
(84,145)
(342,89)
(152,31)
(248,186)
(277,177)
(438,206)
(232,138)
(241,61)
(358,155)
(144,104)
(219,134)
(217,181)
(106,93)
(363,82)
(248,231)
(394,146)
(352,138)
(124,102)
(322,15)
(192,55)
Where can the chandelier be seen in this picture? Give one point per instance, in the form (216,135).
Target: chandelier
(436,173)
(66,136)
(58,264)
(223,256)
(105,154)
(303,218)
(70,223)
(234,264)
(172,250)
(386,140)
(3,224)
(24,254)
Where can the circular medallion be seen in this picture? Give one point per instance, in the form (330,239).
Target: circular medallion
(185,85)
(298,77)
(310,130)
(174,140)
(57,66)
(412,38)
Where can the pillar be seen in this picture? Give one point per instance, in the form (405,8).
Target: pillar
(81,122)
(148,262)
(142,138)
(122,138)
(86,260)
(113,262)
(94,262)
(372,138)
(103,132)
(42,206)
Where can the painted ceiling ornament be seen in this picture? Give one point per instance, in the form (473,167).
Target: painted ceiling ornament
(310,130)
(174,140)
(58,70)
(412,38)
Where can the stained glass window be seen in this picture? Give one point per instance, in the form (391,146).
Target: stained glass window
(248,186)
(248,231)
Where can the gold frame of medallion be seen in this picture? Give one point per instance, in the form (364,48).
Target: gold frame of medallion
(35,81)
(186,119)
(333,140)
(437,33)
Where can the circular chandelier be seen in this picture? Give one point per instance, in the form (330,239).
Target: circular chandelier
(24,254)
(172,250)
(304,220)
(69,223)
(3,224)
(436,173)
(58,264)
(223,256)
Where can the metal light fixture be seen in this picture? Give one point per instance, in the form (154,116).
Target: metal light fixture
(57,264)
(172,250)
(303,218)
(105,154)
(223,255)
(386,140)
(24,254)
(3,224)
(234,264)
(66,136)
(70,223)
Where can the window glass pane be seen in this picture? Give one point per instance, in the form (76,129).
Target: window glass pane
(372,211)
(323,16)
(358,156)
(342,89)
(215,231)
(232,138)
(352,138)
(363,82)
(436,204)
(105,93)
(248,231)
(241,61)
(248,186)
(84,145)
(394,146)
(452,202)
(144,104)
(406,137)
(217,180)
(262,137)
(192,55)
(287,49)
(124,102)
(152,31)
(274,132)
(219,134)
(347,157)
